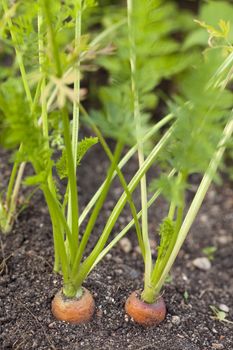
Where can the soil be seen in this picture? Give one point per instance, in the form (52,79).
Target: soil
(28,284)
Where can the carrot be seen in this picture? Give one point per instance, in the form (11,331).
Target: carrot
(73,310)
(143,313)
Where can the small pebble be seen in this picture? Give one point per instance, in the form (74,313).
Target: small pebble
(133,274)
(204,218)
(52,324)
(217,346)
(224,239)
(211,195)
(108,256)
(224,308)
(185,278)
(137,250)
(202,263)
(125,245)
(214,210)
(118,260)
(228,204)
(176,320)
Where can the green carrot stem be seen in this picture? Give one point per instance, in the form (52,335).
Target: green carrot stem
(121,234)
(121,178)
(75,124)
(197,202)
(52,37)
(68,144)
(11,184)
(171,211)
(87,264)
(61,219)
(18,54)
(96,210)
(121,164)
(71,179)
(129,197)
(137,117)
(58,236)
(13,199)
(159,267)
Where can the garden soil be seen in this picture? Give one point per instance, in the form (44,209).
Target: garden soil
(28,284)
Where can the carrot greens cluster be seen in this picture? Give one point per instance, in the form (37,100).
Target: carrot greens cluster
(55,52)
(44,130)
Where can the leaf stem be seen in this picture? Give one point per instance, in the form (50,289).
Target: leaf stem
(143,182)
(66,129)
(85,268)
(160,264)
(44,116)
(14,185)
(72,178)
(197,201)
(54,46)
(13,199)
(96,210)
(124,161)
(58,234)
(121,178)
(75,125)
(121,234)
(18,54)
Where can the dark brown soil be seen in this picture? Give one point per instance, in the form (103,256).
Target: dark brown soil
(27,282)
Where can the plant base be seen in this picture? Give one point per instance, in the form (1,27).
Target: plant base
(145,314)
(73,310)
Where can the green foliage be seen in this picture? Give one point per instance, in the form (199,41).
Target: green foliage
(3,214)
(18,124)
(166,231)
(89,4)
(154,23)
(38,179)
(41,128)
(209,252)
(83,146)
(169,279)
(216,13)
(216,17)
(23,16)
(220,315)
(158,56)
(115,119)
(170,188)
(201,112)
(16,119)
(186,296)
(221,32)
(199,122)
